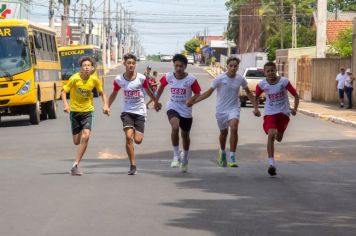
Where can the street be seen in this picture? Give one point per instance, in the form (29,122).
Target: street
(313,194)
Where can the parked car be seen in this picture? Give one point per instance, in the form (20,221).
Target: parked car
(142,58)
(166,58)
(253,75)
(190,59)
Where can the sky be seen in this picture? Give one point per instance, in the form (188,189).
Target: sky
(163,26)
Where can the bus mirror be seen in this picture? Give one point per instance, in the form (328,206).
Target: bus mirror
(38,42)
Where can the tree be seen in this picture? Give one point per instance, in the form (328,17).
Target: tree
(191,45)
(343,44)
(342,5)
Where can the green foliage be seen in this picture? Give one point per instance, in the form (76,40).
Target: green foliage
(191,45)
(343,5)
(343,44)
(154,57)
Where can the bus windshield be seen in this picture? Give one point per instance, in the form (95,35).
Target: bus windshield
(14,51)
(70,61)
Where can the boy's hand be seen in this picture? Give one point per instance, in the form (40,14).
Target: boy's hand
(257,112)
(66,108)
(157,106)
(189,103)
(293,111)
(106,110)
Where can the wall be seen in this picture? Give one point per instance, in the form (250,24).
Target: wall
(323,76)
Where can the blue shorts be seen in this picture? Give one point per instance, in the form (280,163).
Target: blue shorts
(341,93)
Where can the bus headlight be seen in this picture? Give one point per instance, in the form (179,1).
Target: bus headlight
(25,88)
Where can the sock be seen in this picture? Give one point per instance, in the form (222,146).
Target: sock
(185,156)
(223,151)
(176,153)
(271,161)
(75,164)
(232,155)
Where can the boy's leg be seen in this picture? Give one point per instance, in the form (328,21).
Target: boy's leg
(222,120)
(341,97)
(185,125)
(129,134)
(272,133)
(233,124)
(174,121)
(84,140)
(139,128)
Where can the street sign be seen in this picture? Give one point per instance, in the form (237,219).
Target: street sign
(14,10)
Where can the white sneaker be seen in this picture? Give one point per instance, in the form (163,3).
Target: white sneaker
(175,163)
(183,164)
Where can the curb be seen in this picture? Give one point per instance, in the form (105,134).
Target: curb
(333,119)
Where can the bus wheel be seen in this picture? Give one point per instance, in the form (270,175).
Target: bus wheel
(52,109)
(43,111)
(35,113)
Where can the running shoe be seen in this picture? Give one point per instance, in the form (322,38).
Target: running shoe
(75,171)
(175,163)
(133,170)
(222,159)
(233,163)
(272,171)
(184,167)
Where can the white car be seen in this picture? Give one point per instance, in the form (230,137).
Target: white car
(142,58)
(253,75)
(166,58)
(190,59)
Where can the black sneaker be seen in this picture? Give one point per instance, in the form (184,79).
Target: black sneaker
(272,171)
(133,170)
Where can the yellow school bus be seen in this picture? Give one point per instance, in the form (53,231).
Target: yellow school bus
(70,55)
(30,80)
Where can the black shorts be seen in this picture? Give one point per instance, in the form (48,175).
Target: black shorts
(341,93)
(131,120)
(80,121)
(184,123)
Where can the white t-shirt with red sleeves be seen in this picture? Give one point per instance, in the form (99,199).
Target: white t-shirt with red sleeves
(276,96)
(181,91)
(134,93)
(228,90)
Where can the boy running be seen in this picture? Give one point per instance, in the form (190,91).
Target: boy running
(182,86)
(81,109)
(228,108)
(134,112)
(277,110)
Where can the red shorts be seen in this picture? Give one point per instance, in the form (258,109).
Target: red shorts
(278,121)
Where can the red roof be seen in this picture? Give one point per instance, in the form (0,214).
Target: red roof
(334,27)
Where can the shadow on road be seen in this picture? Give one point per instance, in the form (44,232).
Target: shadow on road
(14,123)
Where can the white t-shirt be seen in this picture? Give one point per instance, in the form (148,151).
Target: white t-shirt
(348,82)
(228,90)
(276,96)
(181,91)
(134,93)
(340,78)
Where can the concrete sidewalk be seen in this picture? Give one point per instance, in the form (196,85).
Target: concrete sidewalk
(329,112)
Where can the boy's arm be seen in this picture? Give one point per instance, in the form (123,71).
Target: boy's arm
(293,91)
(200,97)
(259,91)
(157,105)
(252,98)
(65,102)
(112,97)
(106,109)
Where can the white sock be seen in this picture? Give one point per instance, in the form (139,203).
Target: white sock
(75,164)
(271,161)
(185,156)
(175,153)
(232,154)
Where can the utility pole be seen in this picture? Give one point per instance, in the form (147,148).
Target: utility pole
(51,14)
(81,23)
(294,25)
(120,37)
(354,47)
(282,24)
(109,37)
(116,33)
(321,29)
(64,22)
(90,37)
(104,34)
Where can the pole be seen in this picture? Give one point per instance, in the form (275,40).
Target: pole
(104,35)
(321,29)
(116,33)
(64,23)
(109,37)
(354,47)
(294,29)
(81,23)
(51,13)
(90,38)
(282,25)
(120,38)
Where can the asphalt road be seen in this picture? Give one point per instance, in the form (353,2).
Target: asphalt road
(314,193)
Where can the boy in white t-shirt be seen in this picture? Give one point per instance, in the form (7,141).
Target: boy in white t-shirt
(134,112)
(277,108)
(228,107)
(182,86)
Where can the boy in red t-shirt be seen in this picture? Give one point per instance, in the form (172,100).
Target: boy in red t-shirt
(277,109)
